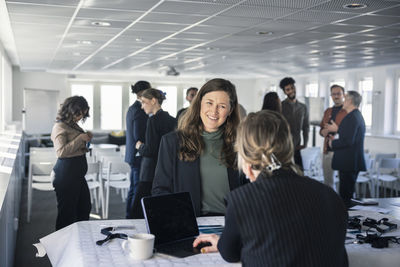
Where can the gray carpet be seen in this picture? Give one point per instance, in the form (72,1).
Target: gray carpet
(43,218)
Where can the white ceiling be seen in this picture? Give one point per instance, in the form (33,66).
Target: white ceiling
(203,36)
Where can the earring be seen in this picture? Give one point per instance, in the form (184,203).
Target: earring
(275,164)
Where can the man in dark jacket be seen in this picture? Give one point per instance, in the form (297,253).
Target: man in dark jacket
(348,157)
(136,121)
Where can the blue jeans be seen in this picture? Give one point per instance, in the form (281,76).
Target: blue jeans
(134,177)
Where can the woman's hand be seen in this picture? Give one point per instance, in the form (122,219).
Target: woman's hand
(138,144)
(90,134)
(85,137)
(212,238)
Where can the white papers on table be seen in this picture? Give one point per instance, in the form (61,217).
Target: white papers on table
(371,208)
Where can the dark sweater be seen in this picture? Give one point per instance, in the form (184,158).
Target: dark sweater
(158,125)
(285,220)
(174,175)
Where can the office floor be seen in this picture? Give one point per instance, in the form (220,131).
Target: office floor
(43,218)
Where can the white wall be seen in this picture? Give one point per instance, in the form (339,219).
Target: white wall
(35,80)
(5,89)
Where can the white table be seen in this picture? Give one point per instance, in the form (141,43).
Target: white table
(75,246)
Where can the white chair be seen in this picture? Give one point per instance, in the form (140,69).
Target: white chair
(39,178)
(95,185)
(122,149)
(41,162)
(312,165)
(98,152)
(364,179)
(121,168)
(388,179)
(373,174)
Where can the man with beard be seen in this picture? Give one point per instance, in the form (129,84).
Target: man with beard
(336,114)
(296,114)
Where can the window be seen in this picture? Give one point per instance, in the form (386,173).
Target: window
(85,90)
(171,96)
(338,82)
(398,105)
(365,89)
(312,90)
(111,107)
(272,88)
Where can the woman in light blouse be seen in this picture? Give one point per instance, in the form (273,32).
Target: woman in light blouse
(70,143)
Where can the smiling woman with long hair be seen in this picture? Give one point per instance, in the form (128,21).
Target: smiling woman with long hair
(199,157)
(73,197)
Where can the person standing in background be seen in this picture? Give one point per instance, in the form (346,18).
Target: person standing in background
(296,114)
(136,120)
(336,114)
(70,143)
(272,102)
(159,124)
(348,156)
(190,94)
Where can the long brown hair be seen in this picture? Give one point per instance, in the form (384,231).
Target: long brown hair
(190,126)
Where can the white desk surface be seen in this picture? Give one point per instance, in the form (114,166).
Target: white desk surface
(75,246)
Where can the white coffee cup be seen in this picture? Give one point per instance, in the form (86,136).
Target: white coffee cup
(139,246)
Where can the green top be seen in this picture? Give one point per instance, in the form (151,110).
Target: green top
(214,174)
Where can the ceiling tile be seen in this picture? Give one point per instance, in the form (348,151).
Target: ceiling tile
(337,5)
(138,5)
(106,14)
(372,20)
(41,10)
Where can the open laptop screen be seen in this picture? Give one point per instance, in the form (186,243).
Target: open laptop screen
(170,217)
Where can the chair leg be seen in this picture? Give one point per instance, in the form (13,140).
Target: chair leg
(28,219)
(101,198)
(107,200)
(96,202)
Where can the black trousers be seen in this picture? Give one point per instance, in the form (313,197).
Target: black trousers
(347,185)
(297,159)
(72,192)
(143,190)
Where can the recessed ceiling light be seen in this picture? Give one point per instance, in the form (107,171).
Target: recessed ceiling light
(395,41)
(76,54)
(138,39)
(355,6)
(84,42)
(265,33)
(101,23)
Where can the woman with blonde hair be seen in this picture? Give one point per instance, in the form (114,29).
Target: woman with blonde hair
(199,157)
(281,218)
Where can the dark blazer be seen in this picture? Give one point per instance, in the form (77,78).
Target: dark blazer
(136,120)
(157,125)
(174,175)
(284,220)
(348,150)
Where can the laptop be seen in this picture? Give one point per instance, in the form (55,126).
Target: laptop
(171,218)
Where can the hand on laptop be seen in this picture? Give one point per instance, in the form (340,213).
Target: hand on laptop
(207,238)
